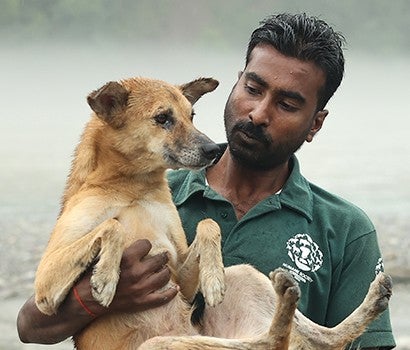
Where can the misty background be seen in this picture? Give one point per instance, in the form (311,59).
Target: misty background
(54,52)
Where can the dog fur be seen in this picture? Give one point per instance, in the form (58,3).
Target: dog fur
(117,193)
(255,316)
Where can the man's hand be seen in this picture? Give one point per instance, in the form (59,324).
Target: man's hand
(140,279)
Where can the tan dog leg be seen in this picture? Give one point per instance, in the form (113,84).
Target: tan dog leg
(54,280)
(318,337)
(288,293)
(203,265)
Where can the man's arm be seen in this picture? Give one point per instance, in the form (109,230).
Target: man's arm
(137,290)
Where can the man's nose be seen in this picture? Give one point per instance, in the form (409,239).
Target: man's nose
(261,114)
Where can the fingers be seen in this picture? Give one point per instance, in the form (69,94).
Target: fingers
(159,298)
(155,280)
(142,279)
(136,267)
(138,251)
(144,292)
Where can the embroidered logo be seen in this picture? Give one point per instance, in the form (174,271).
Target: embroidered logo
(304,252)
(379,266)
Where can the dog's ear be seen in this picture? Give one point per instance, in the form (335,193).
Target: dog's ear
(195,89)
(108,101)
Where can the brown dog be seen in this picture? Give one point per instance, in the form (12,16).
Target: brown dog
(117,190)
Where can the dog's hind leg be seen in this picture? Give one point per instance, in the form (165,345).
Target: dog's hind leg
(203,265)
(287,296)
(313,336)
(60,268)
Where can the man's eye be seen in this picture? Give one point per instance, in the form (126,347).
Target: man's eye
(287,107)
(252,90)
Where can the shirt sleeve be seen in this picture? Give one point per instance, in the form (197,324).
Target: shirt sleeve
(353,275)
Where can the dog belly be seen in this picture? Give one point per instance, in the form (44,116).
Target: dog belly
(248,305)
(129,331)
(152,221)
(155,222)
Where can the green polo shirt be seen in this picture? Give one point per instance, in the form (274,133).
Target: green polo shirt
(328,244)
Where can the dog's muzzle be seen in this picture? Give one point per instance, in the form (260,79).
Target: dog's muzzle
(210,150)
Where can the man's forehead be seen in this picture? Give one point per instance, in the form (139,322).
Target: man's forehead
(268,66)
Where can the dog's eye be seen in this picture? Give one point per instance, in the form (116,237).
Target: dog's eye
(164,119)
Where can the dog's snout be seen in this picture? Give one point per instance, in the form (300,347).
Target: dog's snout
(210,150)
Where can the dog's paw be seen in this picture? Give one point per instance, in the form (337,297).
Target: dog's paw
(380,292)
(103,287)
(213,286)
(284,284)
(46,305)
(49,295)
(48,300)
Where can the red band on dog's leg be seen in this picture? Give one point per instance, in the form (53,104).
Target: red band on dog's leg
(77,296)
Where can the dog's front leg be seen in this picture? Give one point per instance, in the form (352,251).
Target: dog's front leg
(60,268)
(203,266)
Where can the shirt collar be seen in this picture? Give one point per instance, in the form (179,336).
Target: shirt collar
(296,194)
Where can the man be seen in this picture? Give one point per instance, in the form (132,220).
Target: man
(269,214)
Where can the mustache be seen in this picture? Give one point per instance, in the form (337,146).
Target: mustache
(256,132)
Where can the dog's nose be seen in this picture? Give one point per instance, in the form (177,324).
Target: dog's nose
(210,150)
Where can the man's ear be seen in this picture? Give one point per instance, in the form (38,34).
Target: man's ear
(196,88)
(108,101)
(317,124)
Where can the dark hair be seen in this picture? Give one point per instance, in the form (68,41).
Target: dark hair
(306,38)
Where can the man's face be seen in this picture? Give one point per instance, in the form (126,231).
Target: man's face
(271,110)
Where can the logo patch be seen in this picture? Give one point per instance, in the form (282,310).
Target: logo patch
(304,252)
(379,266)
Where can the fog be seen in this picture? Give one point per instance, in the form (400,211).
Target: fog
(54,53)
(362,152)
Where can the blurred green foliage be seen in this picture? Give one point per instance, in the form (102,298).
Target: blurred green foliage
(370,25)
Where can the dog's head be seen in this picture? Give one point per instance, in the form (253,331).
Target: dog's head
(151,120)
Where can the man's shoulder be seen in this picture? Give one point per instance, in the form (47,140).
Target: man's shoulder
(333,202)
(340,210)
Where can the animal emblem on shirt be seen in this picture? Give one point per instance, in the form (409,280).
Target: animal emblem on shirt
(304,252)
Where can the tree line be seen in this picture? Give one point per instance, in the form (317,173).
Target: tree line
(375,25)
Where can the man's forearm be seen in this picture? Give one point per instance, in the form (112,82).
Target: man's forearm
(140,287)
(36,327)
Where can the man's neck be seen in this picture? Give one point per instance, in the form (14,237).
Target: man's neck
(242,186)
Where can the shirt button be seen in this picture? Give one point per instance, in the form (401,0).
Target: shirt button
(224,214)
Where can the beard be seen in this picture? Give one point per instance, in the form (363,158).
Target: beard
(251,146)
